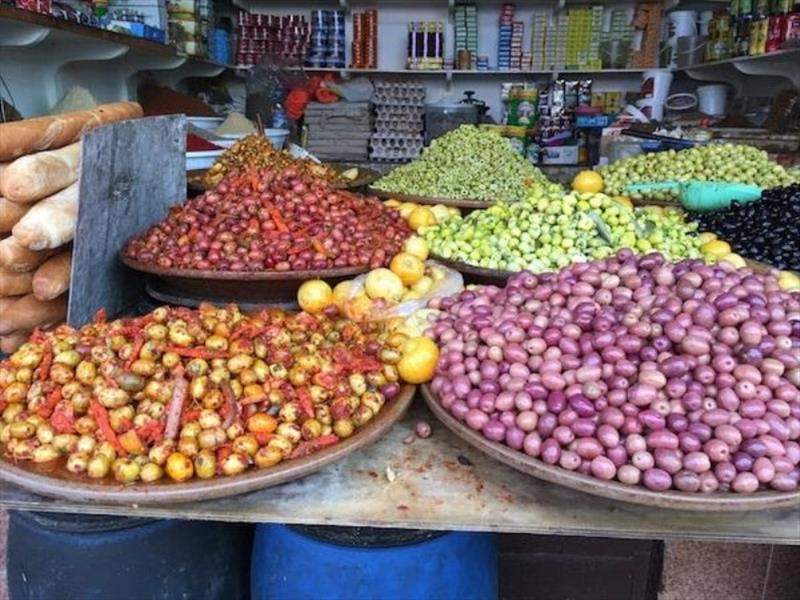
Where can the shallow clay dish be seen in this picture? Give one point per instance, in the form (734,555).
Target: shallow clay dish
(254,287)
(55,481)
(476,275)
(716,501)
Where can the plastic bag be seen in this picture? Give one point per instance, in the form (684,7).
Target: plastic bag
(355,90)
(452,283)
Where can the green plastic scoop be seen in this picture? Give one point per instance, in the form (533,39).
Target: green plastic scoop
(703,196)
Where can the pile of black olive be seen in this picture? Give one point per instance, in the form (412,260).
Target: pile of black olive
(766,230)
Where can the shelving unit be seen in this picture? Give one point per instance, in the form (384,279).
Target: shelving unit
(41,57)
(779,69)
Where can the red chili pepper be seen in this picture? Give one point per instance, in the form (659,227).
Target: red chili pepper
(304,402)
(150,432)
(190,415)
(101,316)
(223,452)
(204,353)
(247,400)
(100,416)
(38,336)
(138,342)
(47,360)
(310,446)
(175,406)
(326,380)
(320,247)
(63,419)
(263,438)
(228,410)
(46,409)
(276,216)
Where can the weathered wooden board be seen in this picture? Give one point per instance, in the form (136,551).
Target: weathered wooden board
(131,172)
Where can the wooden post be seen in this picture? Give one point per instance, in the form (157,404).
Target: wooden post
(131,173)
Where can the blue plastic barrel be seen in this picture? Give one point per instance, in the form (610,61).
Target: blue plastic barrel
(288,564)
(105,558)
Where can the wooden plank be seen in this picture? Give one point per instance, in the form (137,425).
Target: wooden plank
(442,483)
(131,172)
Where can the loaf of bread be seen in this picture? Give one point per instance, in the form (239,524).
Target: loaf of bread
(44,133)
(10,343)
(10,214)
(16,257)
(52,278)
(29,312)
(36,176)
(15,284)
(51,222)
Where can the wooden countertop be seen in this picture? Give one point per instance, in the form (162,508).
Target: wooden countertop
(442,483)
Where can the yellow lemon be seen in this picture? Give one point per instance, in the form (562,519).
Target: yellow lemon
(624,200)
(411,295)
(417,246)
(706,237)
(314,295)
(423,286)
(789,281)
(341,293)
(382,283)
(418,361)
(421,217)
(406,208)
(716,248)
(734,259)
(588,181)
(407,267)
(454,211)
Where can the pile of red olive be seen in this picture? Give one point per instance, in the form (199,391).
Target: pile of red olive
(669,375)
(265,220)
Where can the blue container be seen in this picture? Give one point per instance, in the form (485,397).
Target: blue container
(99,558)
(293,566)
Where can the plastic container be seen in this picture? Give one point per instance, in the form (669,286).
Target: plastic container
(380,564)
(445,116)
(655,89)
(713,99)
(96,558)
(691,50)
(207,123)
(277,137)
(682,23)
(195,161)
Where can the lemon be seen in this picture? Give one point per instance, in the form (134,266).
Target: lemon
(341,293)
(588,181)
(454,211)
(706,237)
(421,217)
(411,295)
(406,208)
(418,362)
(423,286)
(407,267)
(716,248)
(417,246)
(789,281)
(624,200)
(314,295)
(734,259)
(382,283)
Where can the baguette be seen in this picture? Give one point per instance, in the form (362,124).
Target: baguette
(16,257)
(52,278)
(51,222)
(36,176)
(3,167)
(44,133)
(7,301)
(10,214)
(14,284)
(10,343)
(29,313)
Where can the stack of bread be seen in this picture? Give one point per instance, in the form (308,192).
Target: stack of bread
(39,183)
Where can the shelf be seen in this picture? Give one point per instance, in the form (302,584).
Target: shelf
(449,74)
(441,483)
(773,69)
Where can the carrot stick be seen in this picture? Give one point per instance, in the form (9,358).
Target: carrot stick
(100,415)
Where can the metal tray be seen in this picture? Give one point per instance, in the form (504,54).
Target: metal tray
(53,480)
(716,501)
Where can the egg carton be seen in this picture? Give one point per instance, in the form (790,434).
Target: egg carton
(398,127)
(406,112)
